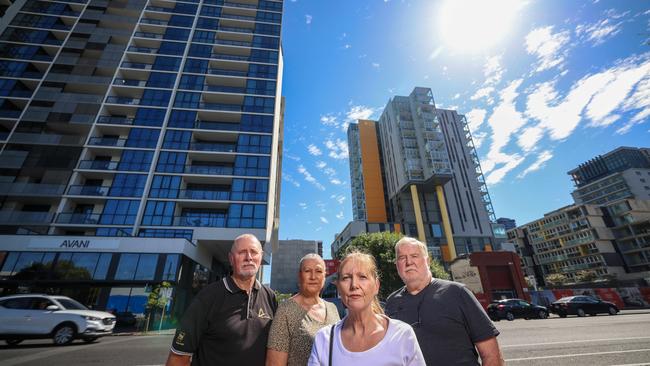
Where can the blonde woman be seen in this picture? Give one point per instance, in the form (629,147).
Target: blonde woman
(299,318)
(365,336)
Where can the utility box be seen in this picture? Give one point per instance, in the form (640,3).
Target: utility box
(491,276)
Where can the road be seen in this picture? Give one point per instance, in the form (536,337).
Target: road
(602,340)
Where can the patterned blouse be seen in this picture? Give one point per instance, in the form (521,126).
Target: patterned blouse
(293,330)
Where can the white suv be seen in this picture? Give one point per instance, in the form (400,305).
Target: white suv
(58,317)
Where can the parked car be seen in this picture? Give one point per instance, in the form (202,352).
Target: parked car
(125,319)
(581,306)
(61,318)
(512,309)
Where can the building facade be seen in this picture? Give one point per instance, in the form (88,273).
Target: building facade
(416,169)
(286,263)
(125,121)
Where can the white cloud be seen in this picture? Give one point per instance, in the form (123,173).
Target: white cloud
(338,149)
(475,119)
(456,96)
(529,138)
(542,158)
(347,46)
(375,65)
(597,33)
(548,47)
(340,215)
(329,120)
(288,178)
(292,157)
(314,150)
(308,19)
(359,112)
(329,172)
(435,53)
(336,181)
(321,164)
(493,70)
(478,139)
(510,162)
(303,205)
(482,93)
(324,220)
(310,178)
(338,198)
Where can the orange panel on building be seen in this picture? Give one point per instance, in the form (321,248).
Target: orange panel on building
(372,182)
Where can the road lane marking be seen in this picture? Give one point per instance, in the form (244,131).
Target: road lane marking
(60,349)
(580,341)
(577,355)
(634,364)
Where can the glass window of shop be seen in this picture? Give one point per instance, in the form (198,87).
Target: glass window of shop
(122,299)
(141,267)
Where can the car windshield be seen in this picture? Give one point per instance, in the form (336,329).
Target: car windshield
(70,304)
(566,299)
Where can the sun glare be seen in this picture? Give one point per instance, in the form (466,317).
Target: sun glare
(476,25)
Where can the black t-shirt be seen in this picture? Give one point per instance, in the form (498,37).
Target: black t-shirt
(226,326)
(447,320)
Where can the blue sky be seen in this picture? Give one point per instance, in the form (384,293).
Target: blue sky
(546,85)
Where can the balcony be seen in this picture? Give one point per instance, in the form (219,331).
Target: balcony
(136,65)
(191,194)
(123,100)
(8,217)
(31,189)
(148,35)
(115,120)
(46,139)
(129,82)
(94,219)
(214,220)
(107,141)
(213,147)
(98,165)
(82,190)
(209,169)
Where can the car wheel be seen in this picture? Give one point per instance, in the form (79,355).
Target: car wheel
(13,341)
(542,314)
(90,339)
(612,310)
(63,334)
(581,312)
(510,316)
(562,315)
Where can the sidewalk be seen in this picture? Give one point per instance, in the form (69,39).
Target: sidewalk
(141,333)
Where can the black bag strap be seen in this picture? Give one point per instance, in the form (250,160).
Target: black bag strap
(331,343)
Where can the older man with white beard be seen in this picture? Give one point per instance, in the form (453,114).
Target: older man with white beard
(228,322)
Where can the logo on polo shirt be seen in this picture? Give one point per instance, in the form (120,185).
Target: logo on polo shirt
(262,315)
(180,337)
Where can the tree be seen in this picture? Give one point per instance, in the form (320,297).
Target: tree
(281,297)
(555,279)
(382,247)
(586,276)
(157,300)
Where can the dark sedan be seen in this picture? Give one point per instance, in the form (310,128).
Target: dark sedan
(581,306)
(515,308)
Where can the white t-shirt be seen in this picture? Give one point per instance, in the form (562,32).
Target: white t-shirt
(398,347)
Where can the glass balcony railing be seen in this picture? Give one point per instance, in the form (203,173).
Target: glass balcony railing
(123,100)
(31,189)
(107,141)
(213,146)
(98,165)
(20,217)
(129,82)
(209,169)
(149,35)
(82,190)
(218,220)
(115,120)
(136,65)
(77,218)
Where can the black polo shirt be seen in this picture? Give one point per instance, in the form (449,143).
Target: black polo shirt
(226,326)
(447,320)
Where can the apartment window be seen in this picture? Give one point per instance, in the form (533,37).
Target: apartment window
(203,218)
(262,87)
(171,267)
(161,80)
(143,137)
(171,162)
(207,23)
(252,166)
(149,117)
(270,29)
(180,21)
(158,98)
(246,216)
(171,48)
(203,37)
(187,100)
(266,42)
(127,185)
(249,189)
(184,8)
(263,71)
(192,82)
(113,231)
(264,56)
(177,34)
(436,231)
(256,123)
(83,266)
(135,160)
(166,63)
(166,233)
(158,213)
(177,140)
(183,119)
(265,16)
(254,144)
(119,212)
(196,66)
(211,11)
(165,186)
